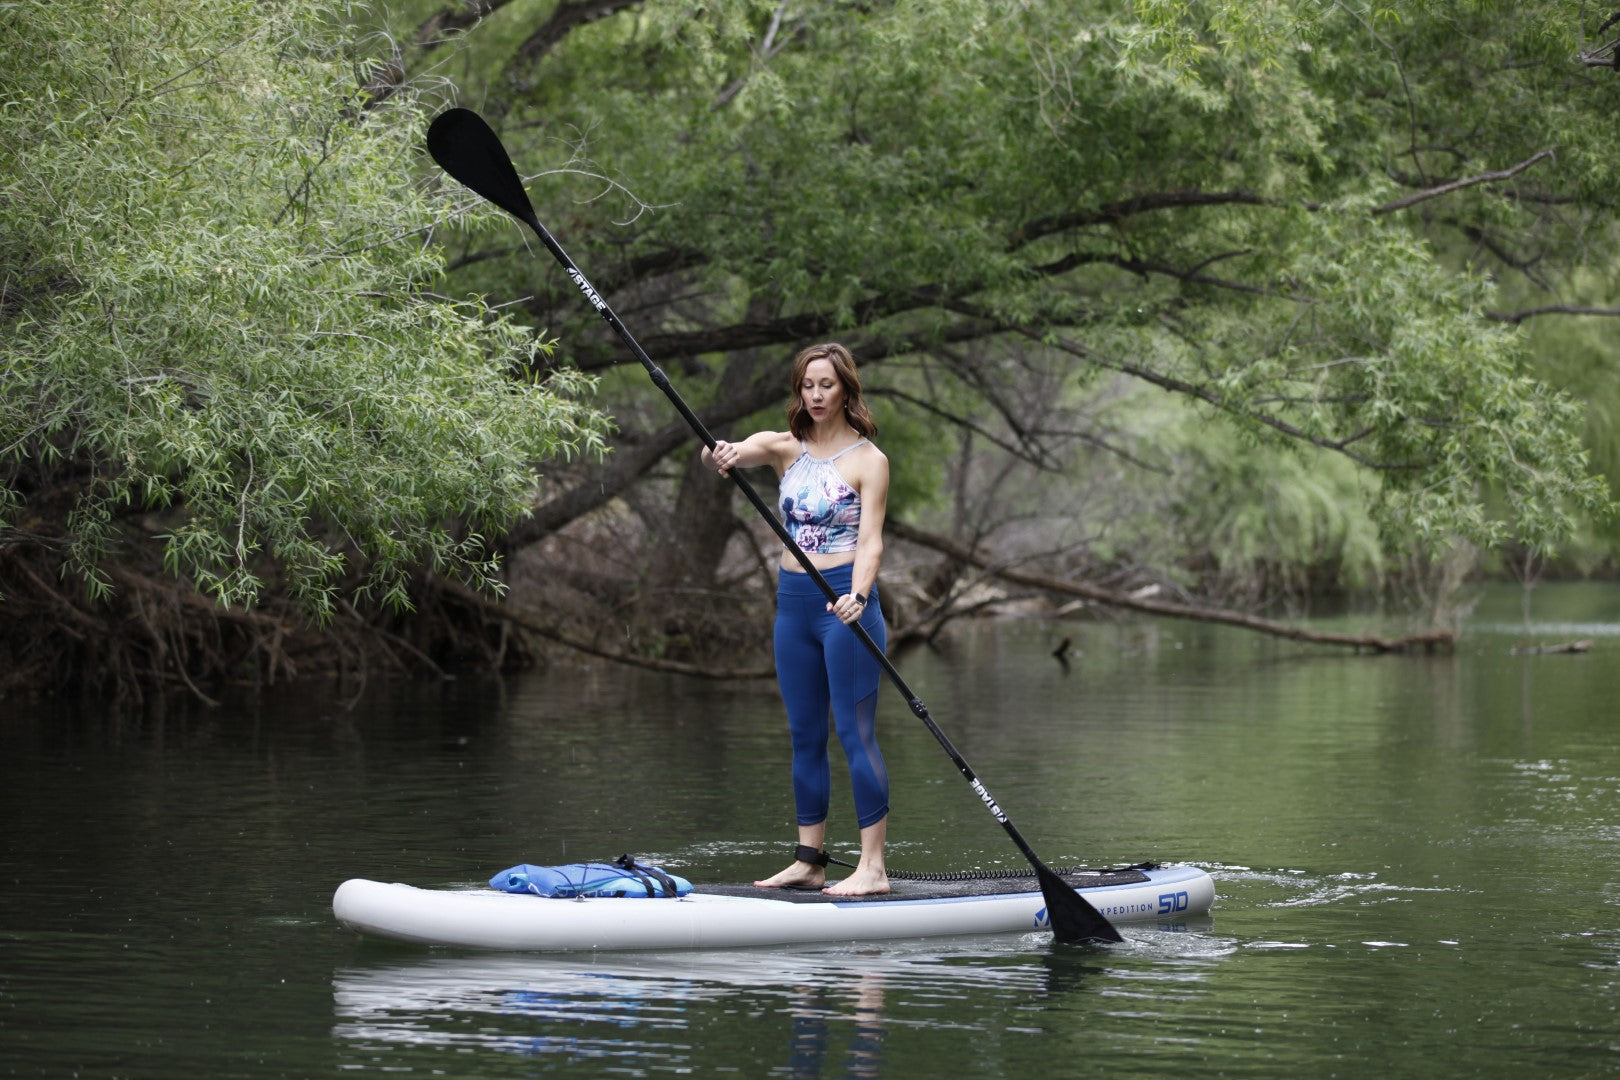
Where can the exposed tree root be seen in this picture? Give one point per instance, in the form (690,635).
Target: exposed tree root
(155,635)
(531,622)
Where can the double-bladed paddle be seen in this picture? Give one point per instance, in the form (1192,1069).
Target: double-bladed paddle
(466,148)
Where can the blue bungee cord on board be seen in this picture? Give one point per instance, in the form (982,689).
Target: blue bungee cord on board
(623,877)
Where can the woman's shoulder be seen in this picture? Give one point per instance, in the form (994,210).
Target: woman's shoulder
(866,457)
(782,446)
(868,449)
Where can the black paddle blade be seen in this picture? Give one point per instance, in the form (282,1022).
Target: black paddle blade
(1074,920)
(467,149)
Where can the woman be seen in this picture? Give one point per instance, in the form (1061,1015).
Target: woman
(834,493)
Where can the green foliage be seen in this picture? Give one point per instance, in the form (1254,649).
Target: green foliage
(1257,207)
(215,306)
(915,448)
(1296,523)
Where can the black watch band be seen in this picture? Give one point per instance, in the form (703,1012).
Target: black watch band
(861,600)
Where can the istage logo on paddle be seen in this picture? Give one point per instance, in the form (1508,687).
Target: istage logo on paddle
(988,801)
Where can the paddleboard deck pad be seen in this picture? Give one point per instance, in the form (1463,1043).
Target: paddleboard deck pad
(730,916)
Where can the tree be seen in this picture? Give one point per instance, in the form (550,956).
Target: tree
(1288,218)
(222,348)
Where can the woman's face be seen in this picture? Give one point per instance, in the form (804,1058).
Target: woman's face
(821,392)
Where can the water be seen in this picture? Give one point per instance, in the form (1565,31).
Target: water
(1415,859)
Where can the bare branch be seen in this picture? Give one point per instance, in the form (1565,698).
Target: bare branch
(768,47)
(1430,640)
(1035,457)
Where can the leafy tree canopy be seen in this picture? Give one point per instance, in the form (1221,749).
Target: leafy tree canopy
(1300,219)
(216,313)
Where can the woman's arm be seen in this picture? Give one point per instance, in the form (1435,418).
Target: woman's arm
(874,489)
(776,448)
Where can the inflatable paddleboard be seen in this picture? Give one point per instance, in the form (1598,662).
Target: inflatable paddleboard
(728,916)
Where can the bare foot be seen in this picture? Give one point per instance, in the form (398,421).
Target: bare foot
(800,875)
(863,882)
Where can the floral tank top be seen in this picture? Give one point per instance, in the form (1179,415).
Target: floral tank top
(819,509)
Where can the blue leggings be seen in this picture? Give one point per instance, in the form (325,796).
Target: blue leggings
(822,665)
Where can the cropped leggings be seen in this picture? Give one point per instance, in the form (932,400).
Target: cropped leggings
(820,666)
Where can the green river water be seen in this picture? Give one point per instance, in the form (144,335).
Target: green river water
(1417,861)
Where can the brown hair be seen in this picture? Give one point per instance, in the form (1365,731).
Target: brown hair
(855,410)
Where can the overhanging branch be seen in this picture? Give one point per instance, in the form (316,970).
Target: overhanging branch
(1551,309)
(1431,640)
(1466,182)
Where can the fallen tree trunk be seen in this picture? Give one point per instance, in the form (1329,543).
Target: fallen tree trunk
(1549,650)
(1430,640)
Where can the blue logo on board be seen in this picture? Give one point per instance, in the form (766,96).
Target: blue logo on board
(1168,904)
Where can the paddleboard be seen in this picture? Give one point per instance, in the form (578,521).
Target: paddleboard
(731,916)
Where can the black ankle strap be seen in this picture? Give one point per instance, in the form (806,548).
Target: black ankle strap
(805,853)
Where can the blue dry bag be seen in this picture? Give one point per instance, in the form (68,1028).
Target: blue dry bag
(622,877)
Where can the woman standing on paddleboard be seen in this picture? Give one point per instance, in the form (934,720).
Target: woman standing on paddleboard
(834,493)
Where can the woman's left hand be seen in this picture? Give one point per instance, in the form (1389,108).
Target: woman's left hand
(847,608)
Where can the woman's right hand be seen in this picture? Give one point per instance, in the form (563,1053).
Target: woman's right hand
(723,457)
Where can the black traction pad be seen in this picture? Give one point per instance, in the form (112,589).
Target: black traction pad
(903,889)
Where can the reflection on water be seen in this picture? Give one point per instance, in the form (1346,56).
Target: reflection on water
(824,1009)
(643,1006)
(815,1013)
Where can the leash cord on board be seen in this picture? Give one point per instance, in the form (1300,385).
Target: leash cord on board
(998,875)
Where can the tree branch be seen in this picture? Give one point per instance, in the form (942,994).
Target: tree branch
(1457,185)
(1170,609)
(1550,309)
(510,613)
(802,326)
(1168,382)
(430,34)
(1115,212)
(565,19)
(632,460)
(1033,455)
